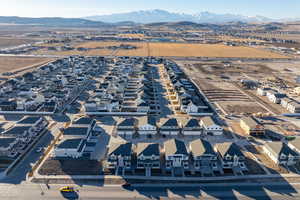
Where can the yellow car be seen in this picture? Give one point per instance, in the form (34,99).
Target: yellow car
(67,189)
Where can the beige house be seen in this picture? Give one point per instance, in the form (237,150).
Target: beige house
(251,126)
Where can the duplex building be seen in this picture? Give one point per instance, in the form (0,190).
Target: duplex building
(192,127)
(147,126)
(119,155)
(148,156)
(231,156)
(205,159)
(169,127)
(127,127)
(176,155)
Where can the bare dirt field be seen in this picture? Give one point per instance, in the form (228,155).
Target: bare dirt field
(10,42)
(12,64)
(176,50)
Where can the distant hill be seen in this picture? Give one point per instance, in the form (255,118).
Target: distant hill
(53,21)
(153,16)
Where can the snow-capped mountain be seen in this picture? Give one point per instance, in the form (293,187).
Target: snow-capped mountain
(151,16)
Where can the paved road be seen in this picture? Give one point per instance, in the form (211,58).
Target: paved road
(214,191)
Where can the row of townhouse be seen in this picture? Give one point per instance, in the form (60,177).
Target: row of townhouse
(148,126)
(182,91)
(199,155)
(124,88)
(48,87)
(16,139)
(286,102)
(78,140)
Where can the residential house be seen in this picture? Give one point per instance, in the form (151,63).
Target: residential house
(127,127)
(281,153)
(119,155)
(147,126)
(210,127)
(176,155)
(251,126)
(169,127)
(148,155)
(293,107)
(231,156)
(192,127)
(205,159)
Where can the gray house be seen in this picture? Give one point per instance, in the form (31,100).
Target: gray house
(176,155)
(119,155)
(148,155)
(169,127)
(127,127)
(231,156)
(204,156)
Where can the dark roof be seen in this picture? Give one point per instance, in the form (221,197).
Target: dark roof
(229,148)
(128,122)
(171,122)
(29,120)
(70,143)
(123,149)
(5,142)
(192,123)
(17,130)
(147,149)
(175,146)
(83,120)
(75,131)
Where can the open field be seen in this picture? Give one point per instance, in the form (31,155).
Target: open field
(10,42)
(12,64)
(174,49)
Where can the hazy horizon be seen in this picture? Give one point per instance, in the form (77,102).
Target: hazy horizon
(79,8)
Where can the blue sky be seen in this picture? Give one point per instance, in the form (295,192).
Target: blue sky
(80,8)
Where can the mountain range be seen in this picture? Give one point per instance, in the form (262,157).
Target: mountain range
(151,16)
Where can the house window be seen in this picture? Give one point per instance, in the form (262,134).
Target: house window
(228,157)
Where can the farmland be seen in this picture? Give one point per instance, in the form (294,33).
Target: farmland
(172,49)
(12,64)
(10,42)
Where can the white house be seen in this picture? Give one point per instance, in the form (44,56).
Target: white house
(73,148)
(127,127)
(176,155)
(169,126)
(210,127)
(147,126)
(191,127)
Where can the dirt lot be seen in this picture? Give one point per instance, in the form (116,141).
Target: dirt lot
(10,42)
(176,49)
(12,64)
(70,167)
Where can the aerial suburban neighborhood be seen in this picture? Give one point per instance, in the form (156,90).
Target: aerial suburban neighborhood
(149,104)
